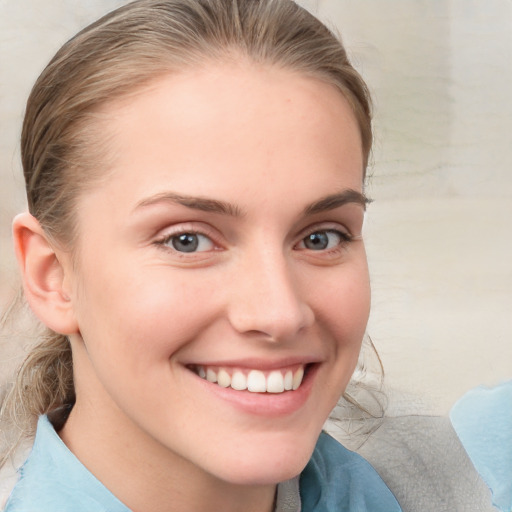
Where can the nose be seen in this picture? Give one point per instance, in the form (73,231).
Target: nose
(267,298)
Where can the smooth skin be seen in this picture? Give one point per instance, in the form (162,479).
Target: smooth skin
(240,157)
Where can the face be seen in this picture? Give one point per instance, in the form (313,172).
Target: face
(224,245)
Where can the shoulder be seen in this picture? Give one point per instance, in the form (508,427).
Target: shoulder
(422,461)
(483,421)
(53,479)
(339,479)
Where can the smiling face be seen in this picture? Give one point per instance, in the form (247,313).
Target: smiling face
(225,245)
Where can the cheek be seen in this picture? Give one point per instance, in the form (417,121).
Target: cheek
(342,307)
(343,302)
(132,328)
(344,311)
(143,319)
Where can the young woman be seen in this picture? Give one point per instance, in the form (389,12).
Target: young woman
(195,178)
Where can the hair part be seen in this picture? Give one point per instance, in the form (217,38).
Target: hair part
(64,150)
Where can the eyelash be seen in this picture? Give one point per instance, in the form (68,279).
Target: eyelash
(165,242)
(344,239)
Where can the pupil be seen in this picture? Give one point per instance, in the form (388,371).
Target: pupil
(317,241)
(187,242)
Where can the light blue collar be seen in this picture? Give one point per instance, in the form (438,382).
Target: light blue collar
(52,475)
(483,422)
(53,479)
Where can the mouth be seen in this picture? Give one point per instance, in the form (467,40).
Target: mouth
(253,380)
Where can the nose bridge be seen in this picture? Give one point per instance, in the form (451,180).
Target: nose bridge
(268,299)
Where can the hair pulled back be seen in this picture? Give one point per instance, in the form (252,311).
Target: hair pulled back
(63,152)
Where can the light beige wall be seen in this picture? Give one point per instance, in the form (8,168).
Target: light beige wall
(31,31)
(439,234)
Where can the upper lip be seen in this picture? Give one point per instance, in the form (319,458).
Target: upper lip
(257,363)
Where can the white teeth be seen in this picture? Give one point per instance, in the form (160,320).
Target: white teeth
(223,379)
(288,380)
(275,382)
(297,378)
(211,376)
(239,381)
(255,381)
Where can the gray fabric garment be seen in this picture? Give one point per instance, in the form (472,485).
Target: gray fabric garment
(288,496)
(424,464)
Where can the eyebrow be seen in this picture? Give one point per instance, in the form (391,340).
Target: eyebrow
(324,204)
(196,203)
(333,201)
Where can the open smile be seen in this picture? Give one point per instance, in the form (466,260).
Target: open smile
(266,390)
(253,380)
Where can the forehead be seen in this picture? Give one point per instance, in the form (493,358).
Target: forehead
(224,128)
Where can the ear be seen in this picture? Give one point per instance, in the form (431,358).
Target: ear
(44,274)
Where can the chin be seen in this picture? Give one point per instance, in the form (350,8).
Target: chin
(267,463)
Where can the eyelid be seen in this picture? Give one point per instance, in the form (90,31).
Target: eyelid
(342,237)
(344,234)
(188,227)
(326,226)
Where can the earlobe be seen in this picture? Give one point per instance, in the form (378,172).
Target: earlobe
(43,275)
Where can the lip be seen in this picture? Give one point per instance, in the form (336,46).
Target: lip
(256,363)
(262,404)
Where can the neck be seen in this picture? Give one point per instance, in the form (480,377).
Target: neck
(147,476)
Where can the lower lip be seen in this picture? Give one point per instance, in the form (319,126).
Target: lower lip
(265,404)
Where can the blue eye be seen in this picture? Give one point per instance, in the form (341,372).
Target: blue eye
(189,242)
(323,240)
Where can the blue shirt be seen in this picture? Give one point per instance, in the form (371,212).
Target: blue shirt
(483,421)
(54,480)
